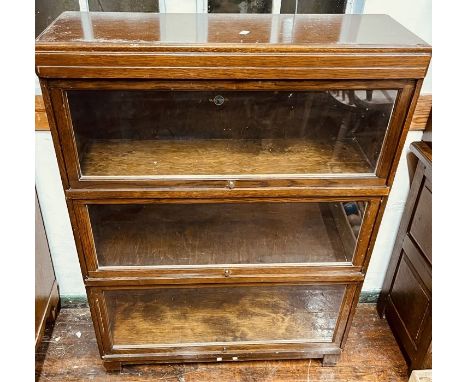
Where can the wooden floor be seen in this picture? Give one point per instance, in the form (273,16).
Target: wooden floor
(69,353)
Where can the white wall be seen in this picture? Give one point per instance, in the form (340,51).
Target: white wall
(55,215)
(415,15)
(391,220)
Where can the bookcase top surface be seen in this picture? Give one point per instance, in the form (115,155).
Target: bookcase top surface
(278,32)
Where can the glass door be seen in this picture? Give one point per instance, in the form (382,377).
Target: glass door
(258,130)
(149,235)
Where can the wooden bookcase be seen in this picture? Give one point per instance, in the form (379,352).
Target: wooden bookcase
(225,186)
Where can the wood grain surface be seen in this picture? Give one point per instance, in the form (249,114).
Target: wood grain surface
(140,30)
(224,157)
(423,150)
(41,122)
(422,112)
(292,46)
(223,314)
(371,355)
(207,234)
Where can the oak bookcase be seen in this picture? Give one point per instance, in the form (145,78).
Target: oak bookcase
(225,176)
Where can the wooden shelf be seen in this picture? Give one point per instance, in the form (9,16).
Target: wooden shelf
(123,157)
(210,234)
(223,314)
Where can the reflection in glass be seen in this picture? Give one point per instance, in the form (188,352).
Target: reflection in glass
(124,5)
(47,11)
(313,6)
(237,233)
(239,6)
(137,28)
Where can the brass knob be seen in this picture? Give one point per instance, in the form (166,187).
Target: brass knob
(231,184)
(227,272)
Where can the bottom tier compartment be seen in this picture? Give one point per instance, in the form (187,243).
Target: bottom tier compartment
(146,324)
(225,314)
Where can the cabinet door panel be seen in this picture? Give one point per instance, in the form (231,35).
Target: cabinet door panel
(183,132)
(421,225)
(151,235)
(181,316)
(411,299)
(177,133)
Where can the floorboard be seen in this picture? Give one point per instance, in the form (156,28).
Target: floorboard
(69,353)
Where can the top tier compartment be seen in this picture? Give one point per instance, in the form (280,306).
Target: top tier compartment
(229,46)
(228,100)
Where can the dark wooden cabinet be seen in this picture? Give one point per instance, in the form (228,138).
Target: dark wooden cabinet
(225,179)
(47,300)
(406,298)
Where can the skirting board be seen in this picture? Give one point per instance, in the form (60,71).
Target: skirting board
(421,376)
(81,301)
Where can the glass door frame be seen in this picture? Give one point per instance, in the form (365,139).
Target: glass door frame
(225,273)
(210,351)
(391,143)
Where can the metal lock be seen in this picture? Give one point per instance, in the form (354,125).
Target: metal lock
(218,100)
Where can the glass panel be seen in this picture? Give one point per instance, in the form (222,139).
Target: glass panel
(124,5)
(236,233)
(313,6)
(305,313)
(240,6)
(47,11)
(168,28)
(201,133)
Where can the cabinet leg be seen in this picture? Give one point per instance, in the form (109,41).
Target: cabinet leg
(54,311)
(330,359)
(54,303)
(381,305)
(112,365)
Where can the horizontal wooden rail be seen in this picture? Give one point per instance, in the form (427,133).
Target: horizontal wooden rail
(422,112)
(41,117)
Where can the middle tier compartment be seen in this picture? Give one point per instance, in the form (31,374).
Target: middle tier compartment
(154,235)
